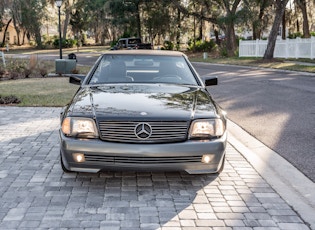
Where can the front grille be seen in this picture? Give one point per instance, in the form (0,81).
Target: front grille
(161,132)
(140,160)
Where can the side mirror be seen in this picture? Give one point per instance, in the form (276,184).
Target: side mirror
(208,80)
(77,79)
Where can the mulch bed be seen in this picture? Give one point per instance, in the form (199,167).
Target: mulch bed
(7,100)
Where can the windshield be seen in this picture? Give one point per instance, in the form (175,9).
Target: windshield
(143,69)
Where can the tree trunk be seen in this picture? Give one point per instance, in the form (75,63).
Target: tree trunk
(283,34)
(200,30)
(23,38)
(5,32)
(68,5)
(194,44)
(138,20)
(103,38)
(38,39)
(178,30)
(302,6)
(257,28)
(230,39)
(18,32)
(65,24)
(256,32)
(201,24)
(280,7)
(217,39)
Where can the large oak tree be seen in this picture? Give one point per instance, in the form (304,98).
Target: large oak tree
(280,8)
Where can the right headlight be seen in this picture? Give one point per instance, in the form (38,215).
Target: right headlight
(79,127)
(206,129)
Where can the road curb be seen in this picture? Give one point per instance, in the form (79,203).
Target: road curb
(293,186)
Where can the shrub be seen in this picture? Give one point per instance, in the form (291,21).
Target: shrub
(83,39)
(295,35)
(56,43)
(14,75)
(65,43)
(2,71)
(168,45)
(201,46)
(27,72)
(113,43)
(70,43)
(21,68)
(223,50)
(48,41)
(16,68)
(42,71)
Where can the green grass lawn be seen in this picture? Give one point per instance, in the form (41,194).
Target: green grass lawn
(40,91)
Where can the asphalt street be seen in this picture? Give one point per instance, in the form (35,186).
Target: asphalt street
(36,194)
(276,107)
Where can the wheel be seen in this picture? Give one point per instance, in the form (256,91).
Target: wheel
(63,166)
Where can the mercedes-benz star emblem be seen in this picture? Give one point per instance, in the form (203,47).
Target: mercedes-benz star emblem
(143,131)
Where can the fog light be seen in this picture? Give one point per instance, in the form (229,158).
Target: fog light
(78,157)
(206,159)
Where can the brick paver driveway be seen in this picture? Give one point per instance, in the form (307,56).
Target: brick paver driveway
(36,194)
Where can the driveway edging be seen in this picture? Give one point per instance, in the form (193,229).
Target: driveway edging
(292,185)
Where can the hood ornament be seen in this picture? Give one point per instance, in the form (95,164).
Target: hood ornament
(143,113)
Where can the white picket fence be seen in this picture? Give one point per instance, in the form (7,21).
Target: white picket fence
(289,48)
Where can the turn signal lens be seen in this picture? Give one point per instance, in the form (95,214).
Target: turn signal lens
(66,127)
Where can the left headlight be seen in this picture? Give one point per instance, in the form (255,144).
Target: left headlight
(79,127)
(205,129)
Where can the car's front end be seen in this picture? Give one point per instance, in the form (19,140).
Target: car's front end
(192,156)
(143,126)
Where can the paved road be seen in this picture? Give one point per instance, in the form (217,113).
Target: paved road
(278,108)
(36,194)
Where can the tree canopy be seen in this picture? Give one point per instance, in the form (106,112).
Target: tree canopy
(158,20)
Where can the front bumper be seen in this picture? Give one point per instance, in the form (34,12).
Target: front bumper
(182,156)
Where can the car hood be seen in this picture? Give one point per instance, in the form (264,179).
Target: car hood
(145,102)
